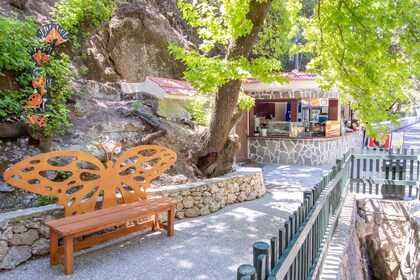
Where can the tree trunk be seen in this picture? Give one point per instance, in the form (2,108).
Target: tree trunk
(218,151)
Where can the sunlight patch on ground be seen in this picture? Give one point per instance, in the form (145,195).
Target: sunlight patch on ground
(242,213)
(185,264)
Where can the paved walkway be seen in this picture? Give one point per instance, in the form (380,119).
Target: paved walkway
(207,247)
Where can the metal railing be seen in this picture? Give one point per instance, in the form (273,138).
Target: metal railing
(299,249)
(391,173)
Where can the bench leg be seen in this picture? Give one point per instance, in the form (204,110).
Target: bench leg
(171,221)
(68,255)
(155,222)
(53,247)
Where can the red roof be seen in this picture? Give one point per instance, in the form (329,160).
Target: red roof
(294,76)
(174,87)
(300,76)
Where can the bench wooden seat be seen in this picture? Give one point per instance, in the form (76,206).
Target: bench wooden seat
(117,187)
(76,226)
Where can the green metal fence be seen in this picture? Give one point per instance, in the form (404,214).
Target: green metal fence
(393,174)
(298,250)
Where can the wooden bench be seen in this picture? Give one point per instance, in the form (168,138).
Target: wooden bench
(117,187)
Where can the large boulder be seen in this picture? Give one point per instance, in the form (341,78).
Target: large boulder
(138,42)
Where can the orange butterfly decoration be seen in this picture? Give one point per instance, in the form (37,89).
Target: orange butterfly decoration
(37,120)
(77,178)
(52,32)
(39,83)
(34,101)
(40,57)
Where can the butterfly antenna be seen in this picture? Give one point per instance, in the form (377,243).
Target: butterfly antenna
(101,147)
(113,150)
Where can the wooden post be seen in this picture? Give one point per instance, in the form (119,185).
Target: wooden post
(68,255)
(262,266)
(261,248)
(53,247)
(246,272)
(274,244)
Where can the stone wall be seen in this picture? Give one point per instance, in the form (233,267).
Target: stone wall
(314,152)
(23,235)
(205,197)
(343,260)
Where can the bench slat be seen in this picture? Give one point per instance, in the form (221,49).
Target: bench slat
(108,217)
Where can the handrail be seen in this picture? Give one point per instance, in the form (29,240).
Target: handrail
(299,250)
(283,265)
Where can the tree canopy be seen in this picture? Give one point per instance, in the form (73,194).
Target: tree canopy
(367,49)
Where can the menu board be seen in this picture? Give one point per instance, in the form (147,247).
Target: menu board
(378,144)
(332,128)
(397,140)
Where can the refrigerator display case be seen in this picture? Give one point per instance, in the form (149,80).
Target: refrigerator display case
(297,130)
(279,128)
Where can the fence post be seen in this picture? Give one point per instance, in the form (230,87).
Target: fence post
(246,272)
(261,248)
(274,244)
(262,262)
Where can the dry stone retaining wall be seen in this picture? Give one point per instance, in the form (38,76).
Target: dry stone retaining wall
(23,234)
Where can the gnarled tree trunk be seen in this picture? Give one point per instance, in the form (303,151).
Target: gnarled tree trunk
(216,157)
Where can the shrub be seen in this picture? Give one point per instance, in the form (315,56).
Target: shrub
(70,13)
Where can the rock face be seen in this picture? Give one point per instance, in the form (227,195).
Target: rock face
(131,46)
(39,10)
(135,43)
(138,42)
(384,227)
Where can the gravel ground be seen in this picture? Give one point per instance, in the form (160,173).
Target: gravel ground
(207,247)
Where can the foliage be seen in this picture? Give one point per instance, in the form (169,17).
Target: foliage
(245,102)
(46,200)
(279,29)
(9,102)
(218,22)
(368,50)
(200,109)
(69,14)
(15,38)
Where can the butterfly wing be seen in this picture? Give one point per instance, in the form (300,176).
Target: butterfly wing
(50,32)
(34,101)
(71,176)
(137,167)
(42,121)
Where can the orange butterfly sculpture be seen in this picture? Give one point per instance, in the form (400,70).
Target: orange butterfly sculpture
(38,120)
(52,32)
(77,178)
(35,100)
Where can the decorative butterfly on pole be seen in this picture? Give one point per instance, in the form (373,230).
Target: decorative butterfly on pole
(43,84)
(36,119)
(52,32)
(42,55)
(78,179)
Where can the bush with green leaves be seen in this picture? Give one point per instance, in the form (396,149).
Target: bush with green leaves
(200,109)
(16,36)
(69,14)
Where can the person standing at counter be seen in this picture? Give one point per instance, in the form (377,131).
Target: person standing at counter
(266,120)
